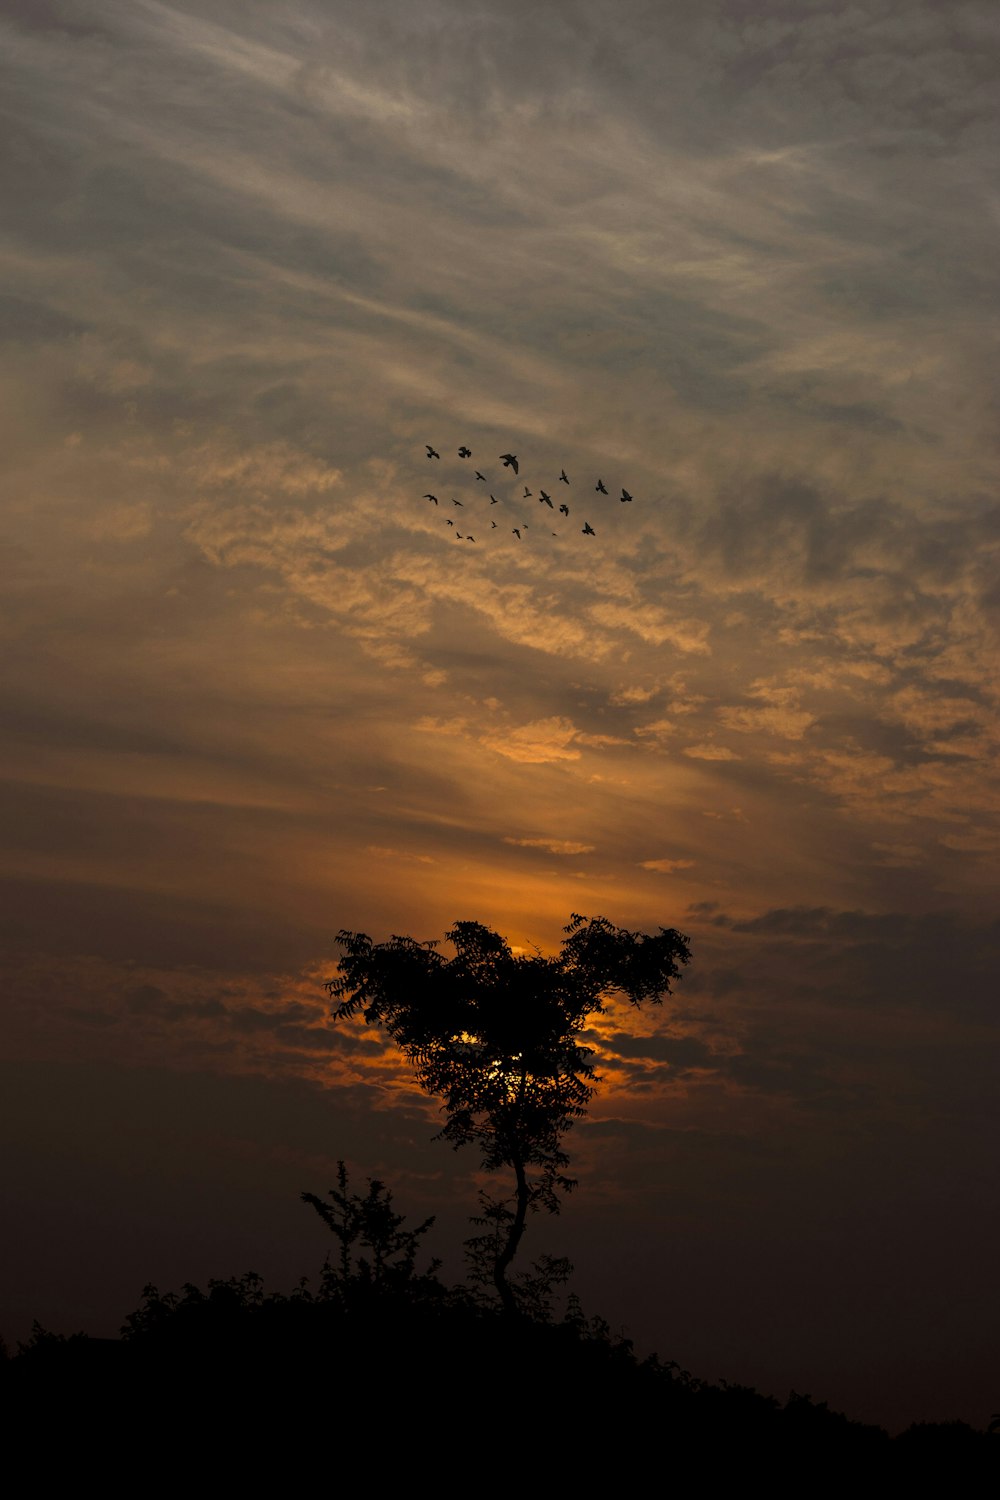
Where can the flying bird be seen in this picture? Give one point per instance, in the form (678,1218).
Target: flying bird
(543,499)
(493,499)
(464,452)
(527,493)
(481,476)
(432,497)
(562,476)
(588,530)
(509,461)
(470,539)
(599,487)
(516,533)
(625,496)
(431,452)
(494,525)
(456,502)
(450,522)
(564,510)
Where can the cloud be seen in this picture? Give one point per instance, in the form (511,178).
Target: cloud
(941,961)
(667,866)
(710,752)
(680,1052)
(637,694)
(540,741)
(658,729)
(378,852)
(254,1018)
(149,1000)
(552,846)
(784,721)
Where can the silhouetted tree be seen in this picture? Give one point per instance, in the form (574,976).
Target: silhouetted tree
(371,1223)
(495,1035)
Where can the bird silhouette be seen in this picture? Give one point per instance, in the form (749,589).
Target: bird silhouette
(510,461)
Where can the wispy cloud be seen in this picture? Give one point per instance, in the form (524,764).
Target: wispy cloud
(552,846)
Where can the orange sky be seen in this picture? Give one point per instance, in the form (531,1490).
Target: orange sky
(256,691)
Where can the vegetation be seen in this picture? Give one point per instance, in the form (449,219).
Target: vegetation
(496,1037)
(382,1372)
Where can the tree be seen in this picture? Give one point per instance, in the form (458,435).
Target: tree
(372,1222)
(496,1036)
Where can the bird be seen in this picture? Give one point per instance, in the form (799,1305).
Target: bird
(464,452)
(625,496)
(509,461)
(470,539)
(456,502)
(562,476)
(481,476)
(494,525)
(493,499)
(450,522)
(564,510)
(432,497)
(516,533)
(543,499)
(588,530)
(527,493)
(431,452)
(459,536)
(599,487)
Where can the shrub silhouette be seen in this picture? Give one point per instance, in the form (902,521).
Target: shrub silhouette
(371,1223)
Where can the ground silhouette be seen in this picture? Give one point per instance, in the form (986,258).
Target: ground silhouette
(384,1376)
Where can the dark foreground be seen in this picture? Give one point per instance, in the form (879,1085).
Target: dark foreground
(395,1389)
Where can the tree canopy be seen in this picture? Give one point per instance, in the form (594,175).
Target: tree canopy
(496,1036)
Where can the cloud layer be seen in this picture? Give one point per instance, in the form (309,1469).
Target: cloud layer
(256,690)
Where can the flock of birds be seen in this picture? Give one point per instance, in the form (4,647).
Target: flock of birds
(510,461)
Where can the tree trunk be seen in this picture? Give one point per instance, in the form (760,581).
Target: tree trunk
(514,1234)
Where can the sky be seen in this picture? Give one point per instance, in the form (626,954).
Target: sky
(738,260)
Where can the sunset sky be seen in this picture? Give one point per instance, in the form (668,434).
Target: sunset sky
(739,259)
